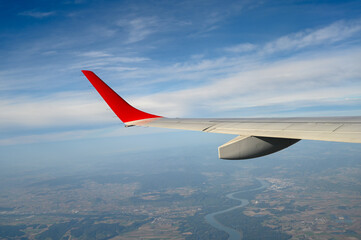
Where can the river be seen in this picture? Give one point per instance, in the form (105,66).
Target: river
(233,234)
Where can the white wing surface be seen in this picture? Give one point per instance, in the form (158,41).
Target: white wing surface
(339,129)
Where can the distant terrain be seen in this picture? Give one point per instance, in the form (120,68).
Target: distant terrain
(309,197)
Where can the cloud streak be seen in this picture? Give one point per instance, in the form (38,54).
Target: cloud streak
(139,28)
(37,14)
(333,33)
(324,36)
(241,48)
(56,110)
(317,77)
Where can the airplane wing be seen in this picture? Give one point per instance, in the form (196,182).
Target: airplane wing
(256,136)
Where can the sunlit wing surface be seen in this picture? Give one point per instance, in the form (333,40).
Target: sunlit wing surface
(257,136)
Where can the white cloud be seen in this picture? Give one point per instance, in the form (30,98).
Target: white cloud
(37,14)
(140,28)
(330,34)
(62,109)
(110,58)
(253,56)
(333,75)
(241,48)
(96,60)
(95,54)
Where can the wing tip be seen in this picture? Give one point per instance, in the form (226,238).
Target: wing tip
(87,72)
(120,107)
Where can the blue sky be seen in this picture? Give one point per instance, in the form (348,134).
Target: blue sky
(171,58)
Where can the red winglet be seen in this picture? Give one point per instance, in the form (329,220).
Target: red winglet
(120,107)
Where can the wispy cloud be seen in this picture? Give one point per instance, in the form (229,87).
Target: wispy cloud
(320,77)
(247,56)
(317,76)
(95,54)
(139,28)
(61,109)
(96,60)
(37,14)
(241,48)
(330,34)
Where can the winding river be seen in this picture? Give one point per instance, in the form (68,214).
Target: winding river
(233,234)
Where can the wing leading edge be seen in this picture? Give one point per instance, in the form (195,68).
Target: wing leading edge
(257,136)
